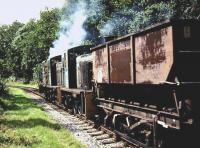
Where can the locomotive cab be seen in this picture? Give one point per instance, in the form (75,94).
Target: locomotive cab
(75,91)
(53,68)
(84,71)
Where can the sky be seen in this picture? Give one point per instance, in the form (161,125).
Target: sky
(24,10)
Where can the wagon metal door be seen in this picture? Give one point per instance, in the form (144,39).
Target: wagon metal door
(121,65)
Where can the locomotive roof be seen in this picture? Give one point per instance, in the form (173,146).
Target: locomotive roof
(58,57)
(147,29)
(79,49)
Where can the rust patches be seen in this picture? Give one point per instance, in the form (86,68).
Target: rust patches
(119,47)
(154,56)
(120,62)
(100,65)
(152,49)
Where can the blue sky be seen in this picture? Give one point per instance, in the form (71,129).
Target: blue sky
(23,10)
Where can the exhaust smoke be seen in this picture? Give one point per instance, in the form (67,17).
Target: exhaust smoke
(71,32)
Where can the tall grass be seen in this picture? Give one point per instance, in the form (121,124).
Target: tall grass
(24,124)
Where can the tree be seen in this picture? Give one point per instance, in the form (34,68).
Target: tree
(151,13)
(4,43)
(34,40)
(7,53)
(47,28)
(7,33)
(26,41)
(13,54)
(119,17)
(187,9)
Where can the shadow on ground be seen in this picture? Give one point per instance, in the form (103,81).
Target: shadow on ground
(6,140)
(17,102)
(29,123)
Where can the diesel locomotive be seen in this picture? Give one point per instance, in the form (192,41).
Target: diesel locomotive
(145,86)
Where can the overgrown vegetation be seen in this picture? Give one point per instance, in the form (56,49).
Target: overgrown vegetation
(23,46)
(24,124)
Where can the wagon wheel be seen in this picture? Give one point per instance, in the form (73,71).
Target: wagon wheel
(77,106)
(118,122)
(68,102)
(75,109)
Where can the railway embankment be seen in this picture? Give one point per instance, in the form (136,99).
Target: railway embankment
(24,123)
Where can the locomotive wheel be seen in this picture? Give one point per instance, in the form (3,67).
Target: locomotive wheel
(77,107)
(118,122)
(75,111)
(68,103)
(74,108)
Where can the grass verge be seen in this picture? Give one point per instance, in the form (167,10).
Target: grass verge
(19,83)
(24,124)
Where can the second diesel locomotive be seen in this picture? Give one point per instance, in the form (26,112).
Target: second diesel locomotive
(144,86)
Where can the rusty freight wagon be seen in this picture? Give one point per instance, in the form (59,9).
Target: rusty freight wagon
(148,83)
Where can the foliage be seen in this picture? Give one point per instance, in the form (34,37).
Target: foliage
(130,16)
(34,40)
(47,28)
(26,41)
(7,53)
(187,9)
(22,124)
(119,17)
(37,73)
(13,58)
(22,47)
(157,12)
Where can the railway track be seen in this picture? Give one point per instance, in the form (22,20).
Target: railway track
(104,136)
